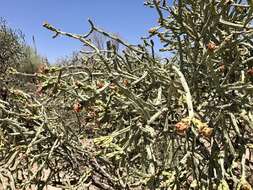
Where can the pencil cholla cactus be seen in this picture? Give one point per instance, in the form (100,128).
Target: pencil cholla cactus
(132,120)
(212,44)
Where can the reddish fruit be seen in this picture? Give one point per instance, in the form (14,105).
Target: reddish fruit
(211,46)
(113,86)
(77,107)
(250,71)
(182,127)
(125,82)
(206,132)
(100,84)
(222,68)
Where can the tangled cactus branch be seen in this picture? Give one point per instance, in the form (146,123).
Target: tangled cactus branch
(129,119)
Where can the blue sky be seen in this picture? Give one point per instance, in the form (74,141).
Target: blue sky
(128,18)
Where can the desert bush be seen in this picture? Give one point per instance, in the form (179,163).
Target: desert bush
(131,120)
(31,61)
(16,54)
(11,44)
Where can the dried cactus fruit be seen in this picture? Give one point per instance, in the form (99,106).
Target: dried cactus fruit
(250,71)
(182,126)
(100,84)
(77,107)
(206,132)
(211,46)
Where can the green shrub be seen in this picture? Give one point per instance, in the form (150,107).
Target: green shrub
(11,46)
(31,61)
